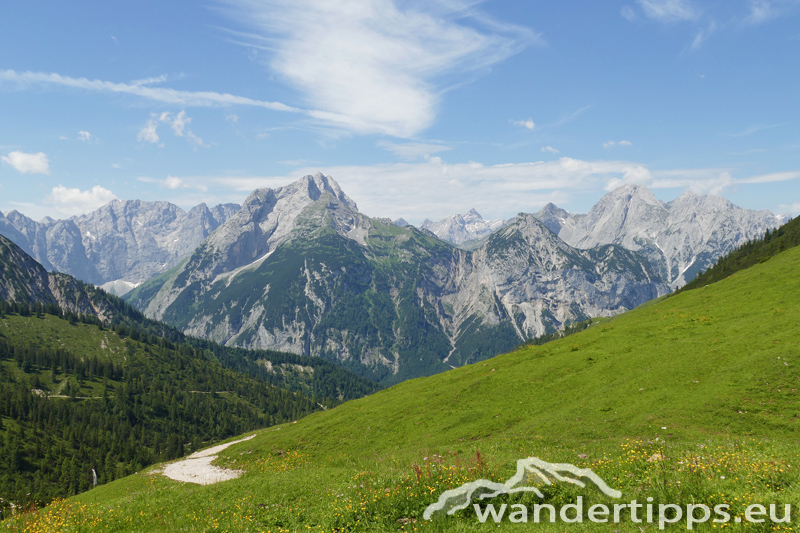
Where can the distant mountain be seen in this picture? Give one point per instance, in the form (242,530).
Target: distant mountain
(119,245)
(299,269)
(679,238)
(458,229)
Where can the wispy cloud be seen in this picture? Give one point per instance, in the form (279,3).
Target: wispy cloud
(529,124)
(611,144)
(141,88)
(69,202)
(628,13)
(85,136)
(756,128)
(376,66)
(566,119)
(434,188)
(549,149)
(703,35)
(179,124)
(414,150)
(760,11)
(173,183)
(668,11)
(772,177)
(36,163)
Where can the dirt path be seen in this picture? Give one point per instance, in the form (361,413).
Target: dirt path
(197,468)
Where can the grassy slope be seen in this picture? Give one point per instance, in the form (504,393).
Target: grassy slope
(716,367)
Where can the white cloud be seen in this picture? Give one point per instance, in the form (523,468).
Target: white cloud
(549,149)
(524,123)
(376,66)
(232,118)
(173,183)
(71,202)
(668,10)
(148,133)
(28,163)
(85,136)
(611,144)
(412,151)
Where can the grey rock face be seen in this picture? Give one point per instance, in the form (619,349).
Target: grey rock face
(679,238)
(458,229)
(122,244)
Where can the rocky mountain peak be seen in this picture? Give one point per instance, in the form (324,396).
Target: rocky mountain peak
(553,217)
(458,229)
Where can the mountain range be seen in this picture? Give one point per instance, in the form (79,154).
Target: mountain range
(300,269)
(679,238)
(119,245)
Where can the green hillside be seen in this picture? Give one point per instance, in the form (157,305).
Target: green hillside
(76,396)
(686,400)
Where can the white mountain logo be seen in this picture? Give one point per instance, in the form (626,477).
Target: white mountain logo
(529,469)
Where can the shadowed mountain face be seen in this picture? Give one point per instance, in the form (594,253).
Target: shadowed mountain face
(121,244)
(23,280)
(300,269)
(679,238)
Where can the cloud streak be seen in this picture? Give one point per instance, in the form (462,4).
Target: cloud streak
(668,11)
(374,66)
(142,88)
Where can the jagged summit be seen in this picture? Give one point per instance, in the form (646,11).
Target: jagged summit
(678,238)
(458,229)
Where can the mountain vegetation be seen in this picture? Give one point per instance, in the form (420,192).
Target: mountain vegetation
(75,395)
(686,400)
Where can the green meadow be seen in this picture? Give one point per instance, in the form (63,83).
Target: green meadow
(691,399)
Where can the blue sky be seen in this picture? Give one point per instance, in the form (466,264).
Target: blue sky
(417,108)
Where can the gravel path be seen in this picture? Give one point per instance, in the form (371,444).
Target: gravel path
(197,468)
